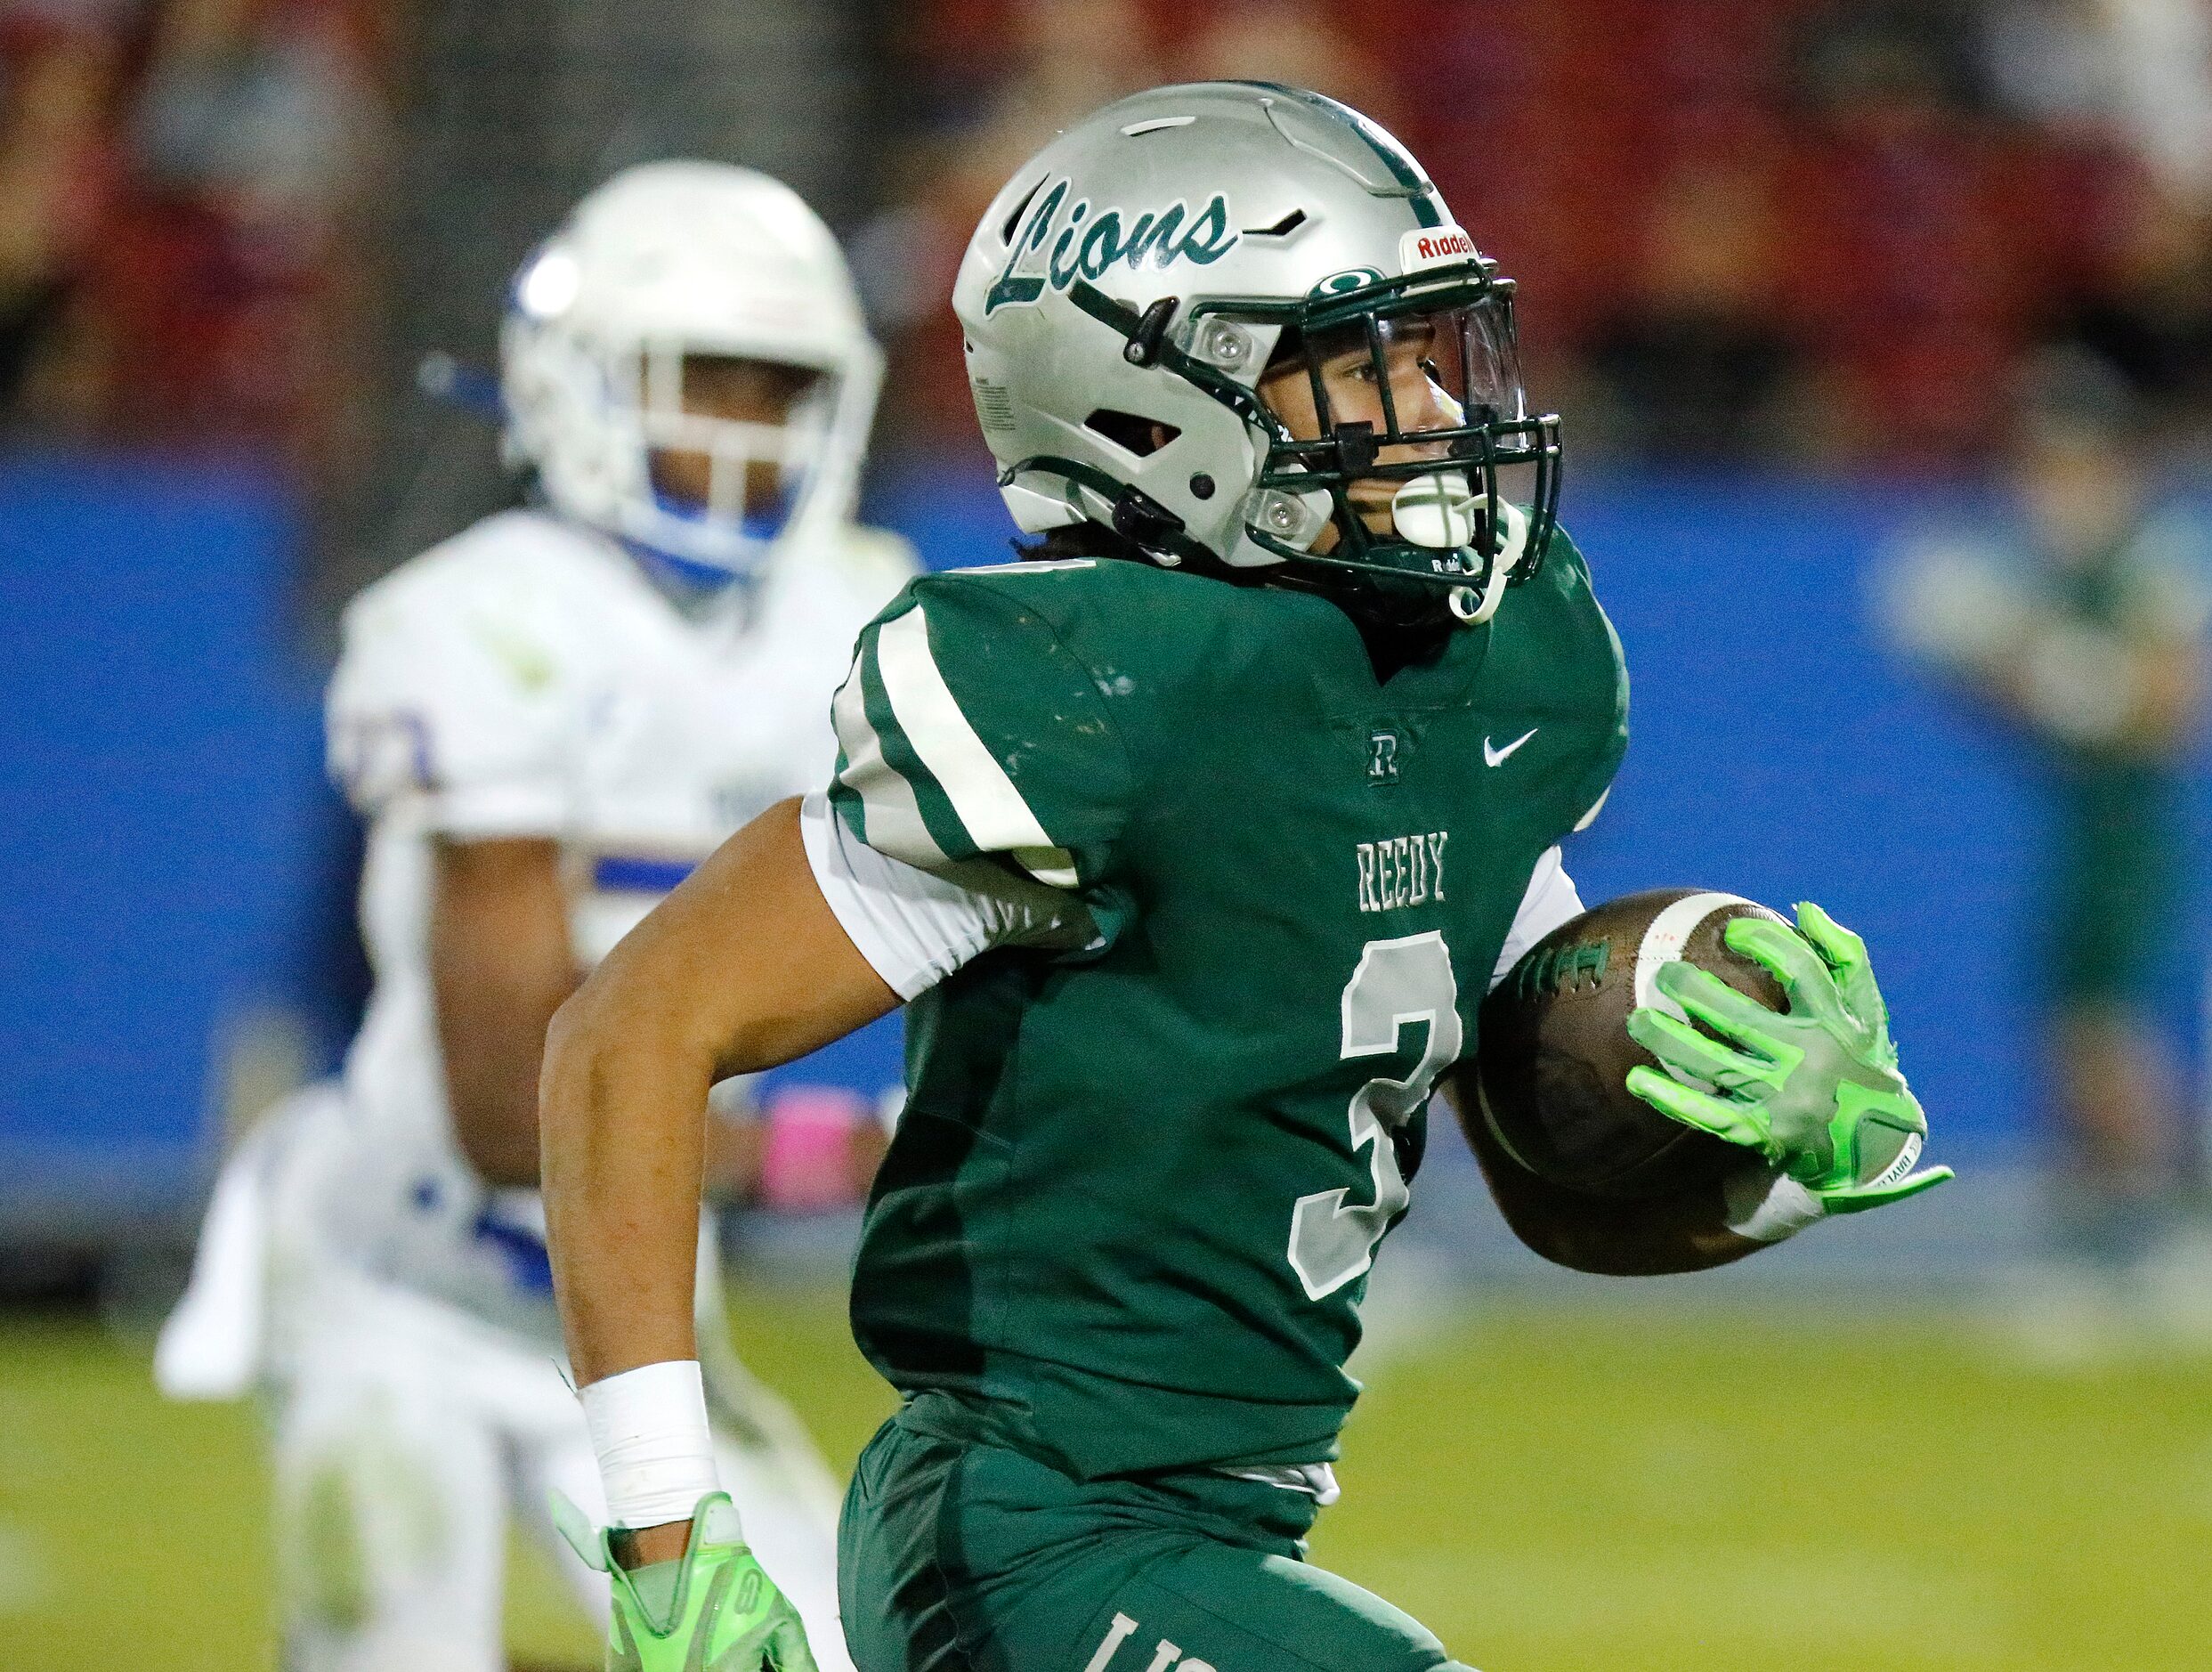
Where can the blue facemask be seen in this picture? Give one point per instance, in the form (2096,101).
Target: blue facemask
(688,577)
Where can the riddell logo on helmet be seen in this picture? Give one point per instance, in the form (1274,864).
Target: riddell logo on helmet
(1432,246)
(1089,244)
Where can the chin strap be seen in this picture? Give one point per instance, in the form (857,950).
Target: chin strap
(1475,607)
(1134,514)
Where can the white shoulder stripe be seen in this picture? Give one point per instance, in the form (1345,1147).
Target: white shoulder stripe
(997,819)
(1026,567)
(895,821)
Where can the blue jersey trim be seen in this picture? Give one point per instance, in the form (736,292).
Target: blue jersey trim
(529,1267)
(695,579)
(639,874)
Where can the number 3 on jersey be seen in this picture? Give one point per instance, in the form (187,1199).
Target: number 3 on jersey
(1398,983)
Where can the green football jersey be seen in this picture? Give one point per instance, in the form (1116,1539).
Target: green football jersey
(1130,1212)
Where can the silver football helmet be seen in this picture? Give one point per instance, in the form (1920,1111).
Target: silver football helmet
(1129,288)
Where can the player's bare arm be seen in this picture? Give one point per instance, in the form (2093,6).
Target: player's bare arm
(741,968)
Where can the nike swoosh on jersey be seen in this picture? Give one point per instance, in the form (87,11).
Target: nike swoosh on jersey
(1498,757)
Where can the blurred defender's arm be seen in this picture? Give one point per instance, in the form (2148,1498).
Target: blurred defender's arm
(2170,693)
(742,967)
(501,966)
(2093,686)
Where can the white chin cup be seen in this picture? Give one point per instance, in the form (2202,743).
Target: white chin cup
(1437,511)
(1441,512)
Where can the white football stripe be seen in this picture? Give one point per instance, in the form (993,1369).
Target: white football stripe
(895,823)
(996,817)
(1663,942)
(1026,567)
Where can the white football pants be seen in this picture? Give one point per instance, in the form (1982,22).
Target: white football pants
(407,1432)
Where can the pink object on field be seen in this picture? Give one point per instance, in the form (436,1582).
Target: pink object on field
(807,1166)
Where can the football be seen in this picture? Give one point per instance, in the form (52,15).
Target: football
(1548,1076)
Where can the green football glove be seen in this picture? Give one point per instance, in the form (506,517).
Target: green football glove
(1815,1090)
(718,1612)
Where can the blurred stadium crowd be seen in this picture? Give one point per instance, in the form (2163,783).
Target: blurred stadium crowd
(176,181)
(1852,221)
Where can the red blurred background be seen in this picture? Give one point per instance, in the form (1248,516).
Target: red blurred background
(1760,230)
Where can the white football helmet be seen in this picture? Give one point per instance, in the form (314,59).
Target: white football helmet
(1126,292)
(672,259)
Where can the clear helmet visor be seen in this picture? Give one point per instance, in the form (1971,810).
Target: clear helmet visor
(1419,376)
(1415,412)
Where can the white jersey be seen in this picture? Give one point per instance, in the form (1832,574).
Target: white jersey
(527,680)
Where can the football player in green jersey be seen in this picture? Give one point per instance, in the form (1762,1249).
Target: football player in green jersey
(1193,844)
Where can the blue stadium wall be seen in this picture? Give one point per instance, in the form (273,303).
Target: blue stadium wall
(170,862)
(161,820)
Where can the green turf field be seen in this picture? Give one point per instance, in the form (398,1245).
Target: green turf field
(1578,1491)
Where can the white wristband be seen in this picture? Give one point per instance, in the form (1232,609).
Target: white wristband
(1766,1205)
(649,1432)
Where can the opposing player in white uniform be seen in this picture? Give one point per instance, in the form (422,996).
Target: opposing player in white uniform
(546,721)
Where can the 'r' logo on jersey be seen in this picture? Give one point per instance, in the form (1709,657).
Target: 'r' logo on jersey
(1402,870)
(1382,747)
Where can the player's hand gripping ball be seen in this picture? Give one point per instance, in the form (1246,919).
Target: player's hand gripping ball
(1550,1074)
(1592,1073)
(1815,1089)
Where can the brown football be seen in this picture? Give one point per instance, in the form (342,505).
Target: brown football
(1549,1076)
